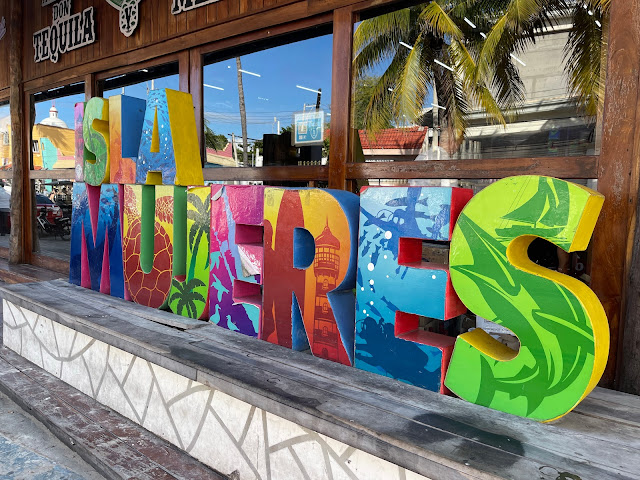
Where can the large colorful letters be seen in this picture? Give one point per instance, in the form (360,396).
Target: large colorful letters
(561,325)
(190,288)
(236,257)
(80,151)
(394,282)
(126,115)
(283,264)
(147,243)
(95,126)
(96,239)
(169,152)
(310,270)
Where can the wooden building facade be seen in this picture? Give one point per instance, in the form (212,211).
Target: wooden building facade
(184,39)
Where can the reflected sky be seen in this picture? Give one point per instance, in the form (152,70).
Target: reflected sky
(275,93)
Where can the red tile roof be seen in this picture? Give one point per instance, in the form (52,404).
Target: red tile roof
(394,139)
(225,152)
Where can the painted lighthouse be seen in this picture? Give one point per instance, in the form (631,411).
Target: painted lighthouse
(326,266)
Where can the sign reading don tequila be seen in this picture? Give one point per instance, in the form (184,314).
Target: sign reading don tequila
(67,32)
(178,6)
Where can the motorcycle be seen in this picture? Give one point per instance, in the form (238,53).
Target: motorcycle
(61,228)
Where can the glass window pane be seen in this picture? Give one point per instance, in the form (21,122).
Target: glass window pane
(443,81)
(255,98)
(53,218)
(5,136)
(53,134)
(140,82)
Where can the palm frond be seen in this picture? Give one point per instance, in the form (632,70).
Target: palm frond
(378,39)
(412,87)
(439,22)
(585,57)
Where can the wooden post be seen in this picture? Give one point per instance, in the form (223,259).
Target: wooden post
(16,242)
(339,153)
(196,91)
(613,273)
(90,87)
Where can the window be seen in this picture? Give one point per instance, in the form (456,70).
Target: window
(140,82)
(269,103)
(53,148)
(53,134)
(5,129)
(414,100)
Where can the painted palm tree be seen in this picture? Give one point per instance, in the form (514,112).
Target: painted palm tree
(200,214)
(186,295)
(470,65)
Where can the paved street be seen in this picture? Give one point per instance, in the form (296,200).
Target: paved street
(28,451)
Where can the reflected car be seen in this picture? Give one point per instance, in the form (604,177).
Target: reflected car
(53,210)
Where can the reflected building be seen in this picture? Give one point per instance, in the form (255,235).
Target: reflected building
(547,123)
(53,143)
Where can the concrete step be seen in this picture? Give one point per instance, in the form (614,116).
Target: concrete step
(112,444)
(24,273)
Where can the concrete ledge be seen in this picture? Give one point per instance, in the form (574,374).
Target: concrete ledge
(352,417)
(112,444)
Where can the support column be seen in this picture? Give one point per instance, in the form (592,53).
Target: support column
(616,275)
(340,153)
(19,161)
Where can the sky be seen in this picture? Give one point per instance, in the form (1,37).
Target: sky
(274,94)
(306,63)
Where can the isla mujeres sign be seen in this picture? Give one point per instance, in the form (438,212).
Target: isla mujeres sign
(283,264)
(67,32)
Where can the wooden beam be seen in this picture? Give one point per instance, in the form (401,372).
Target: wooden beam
(340,152)
(90,87)
(278,174)
(616,244)
(58,174)
(18,160)
(287,18)
(184,70)
(50,263)
(561,167)
(29,234)
(618,182)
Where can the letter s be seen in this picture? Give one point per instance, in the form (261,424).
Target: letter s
(561,325)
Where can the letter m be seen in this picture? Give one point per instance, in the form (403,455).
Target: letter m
(96,239)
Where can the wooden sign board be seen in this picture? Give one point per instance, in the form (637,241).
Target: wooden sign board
(67,32)
(179,6)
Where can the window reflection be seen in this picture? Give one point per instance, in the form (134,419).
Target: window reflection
(53,134)
(140,82)
(5,134)
(470,89)
(270,105)
(53,217)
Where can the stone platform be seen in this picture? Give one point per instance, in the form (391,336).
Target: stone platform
(250,409)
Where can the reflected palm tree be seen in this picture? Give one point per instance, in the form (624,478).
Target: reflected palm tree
(463,52)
